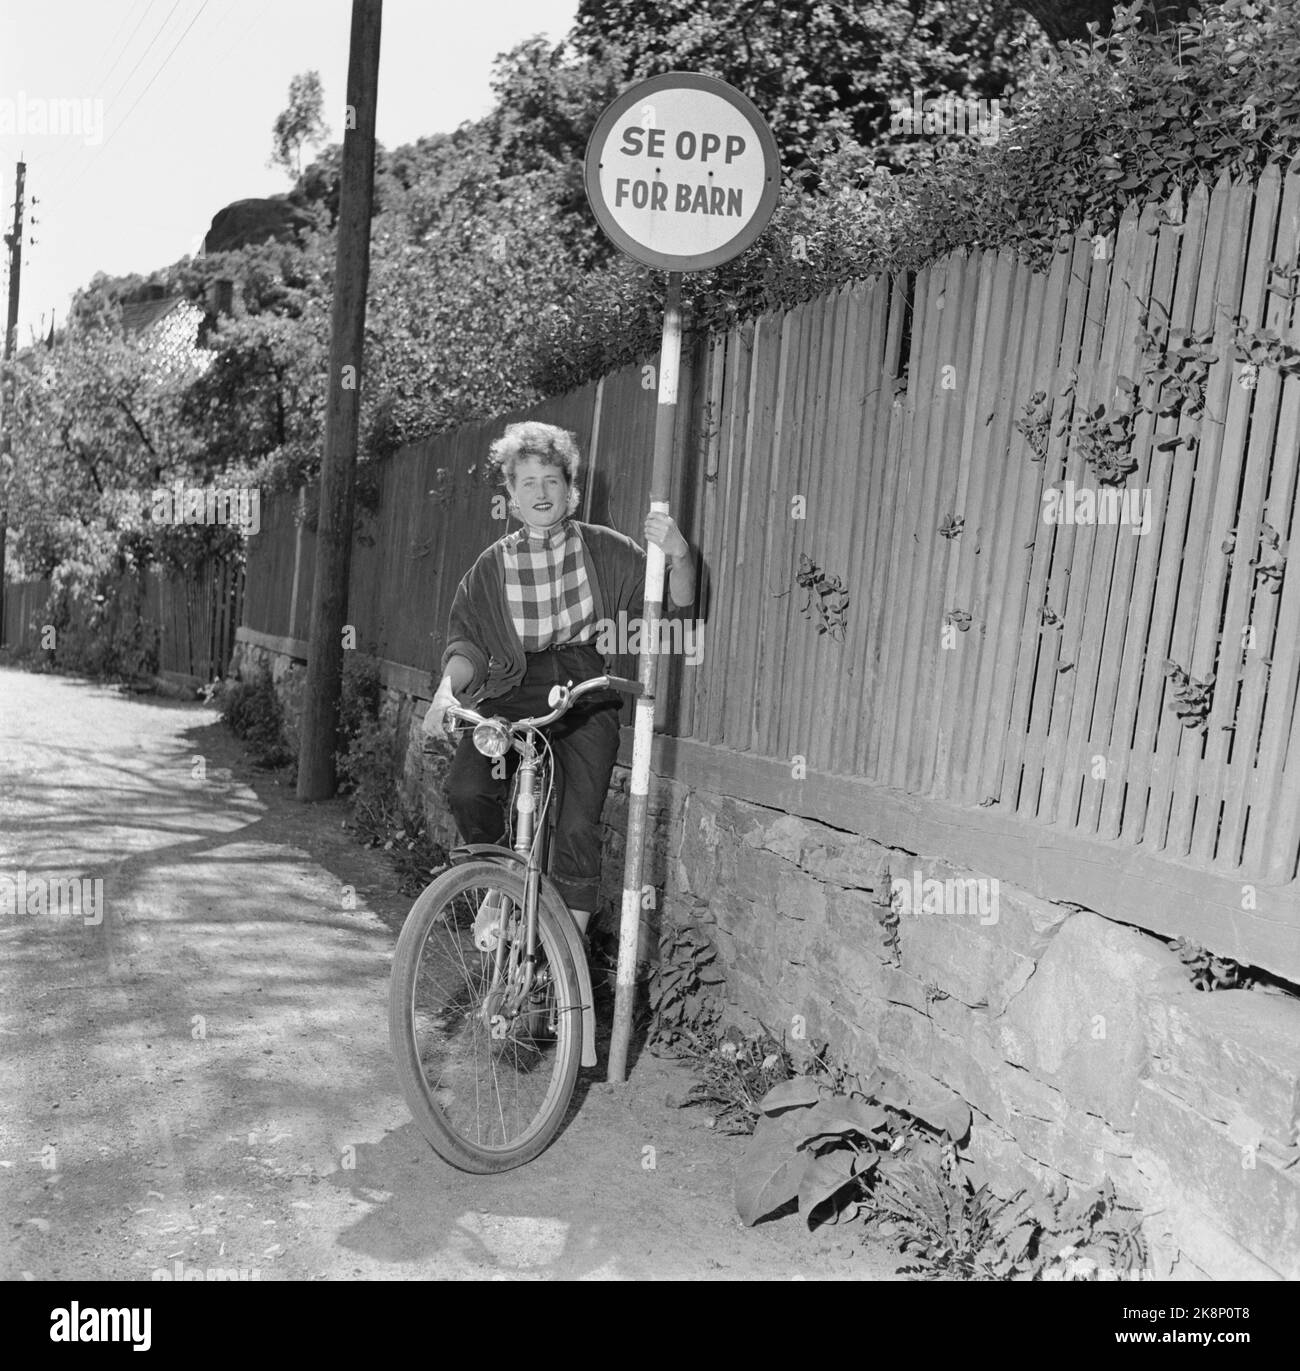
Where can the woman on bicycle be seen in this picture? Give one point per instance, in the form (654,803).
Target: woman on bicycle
(523,620)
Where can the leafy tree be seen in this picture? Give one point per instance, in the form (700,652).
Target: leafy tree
(822,71)
(1063,20)
(299,124)
(94,425)
(489,262)
(259,407)
(548,101)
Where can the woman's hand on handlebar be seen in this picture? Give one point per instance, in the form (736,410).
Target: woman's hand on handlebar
(435,719)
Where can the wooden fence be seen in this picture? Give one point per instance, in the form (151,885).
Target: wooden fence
(194,616)
(24,608)
(1115,687)
(197,616)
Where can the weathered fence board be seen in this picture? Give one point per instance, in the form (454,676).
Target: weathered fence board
(1007,522)
(1237,579)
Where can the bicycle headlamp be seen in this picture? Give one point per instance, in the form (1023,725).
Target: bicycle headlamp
(492,738)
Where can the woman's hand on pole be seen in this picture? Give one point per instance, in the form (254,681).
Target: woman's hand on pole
(661,530)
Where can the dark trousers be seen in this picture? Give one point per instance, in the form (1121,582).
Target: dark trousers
(585,745)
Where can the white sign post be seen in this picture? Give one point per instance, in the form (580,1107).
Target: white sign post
(682,174)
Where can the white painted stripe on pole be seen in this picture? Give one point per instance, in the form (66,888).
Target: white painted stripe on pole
(668,382)
(655,562)
(642,737)
(629,925)
(654,574)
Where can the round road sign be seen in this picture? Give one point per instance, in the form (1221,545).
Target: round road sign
(682,172)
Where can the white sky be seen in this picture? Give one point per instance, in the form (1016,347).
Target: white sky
(200,134)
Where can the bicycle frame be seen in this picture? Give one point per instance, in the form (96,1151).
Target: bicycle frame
(529,846)
(529,853)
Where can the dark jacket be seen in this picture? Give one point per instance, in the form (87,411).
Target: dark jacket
(480,629)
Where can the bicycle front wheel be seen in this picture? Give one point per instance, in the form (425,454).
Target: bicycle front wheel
(487,1056)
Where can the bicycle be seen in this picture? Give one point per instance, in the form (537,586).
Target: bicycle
(490,1003)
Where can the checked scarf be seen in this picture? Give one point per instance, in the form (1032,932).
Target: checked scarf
(548,592)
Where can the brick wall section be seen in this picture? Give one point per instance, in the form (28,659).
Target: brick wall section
(1079,1043)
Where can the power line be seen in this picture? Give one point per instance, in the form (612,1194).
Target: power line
(145,53)
(160,70)
(70,155)
(103,80)
(127,78)
(162,66)
(243,33)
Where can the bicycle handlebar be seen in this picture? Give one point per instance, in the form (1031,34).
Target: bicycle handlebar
(568,695)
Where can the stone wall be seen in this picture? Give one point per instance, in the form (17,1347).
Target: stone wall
(1079,1043)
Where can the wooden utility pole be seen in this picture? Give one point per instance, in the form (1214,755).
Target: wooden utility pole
(15,243)
(329,602)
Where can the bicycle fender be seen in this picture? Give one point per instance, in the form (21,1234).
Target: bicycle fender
(579,955)
(506,855)
(467,852)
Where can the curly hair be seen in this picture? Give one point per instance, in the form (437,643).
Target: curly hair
(553,446)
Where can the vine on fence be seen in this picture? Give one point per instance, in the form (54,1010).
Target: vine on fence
(1179,366)
(1035,422)
(1270,561)
(1262,347)
(827,600)
(1189,698)
(1105,437)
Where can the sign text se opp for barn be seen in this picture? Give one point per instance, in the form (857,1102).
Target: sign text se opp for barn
(682,172)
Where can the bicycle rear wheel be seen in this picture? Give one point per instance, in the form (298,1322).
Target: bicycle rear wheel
(487,1070)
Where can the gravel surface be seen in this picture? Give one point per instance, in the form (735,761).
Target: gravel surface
(195,1073)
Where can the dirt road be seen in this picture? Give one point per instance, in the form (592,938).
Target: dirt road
(194,1068)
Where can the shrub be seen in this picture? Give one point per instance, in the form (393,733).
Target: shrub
(888,1154)
(253,711)
(100,629)
(735,1073)
(359,700)
(368,765)
(684,1000)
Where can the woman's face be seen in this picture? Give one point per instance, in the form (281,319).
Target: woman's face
(542,492)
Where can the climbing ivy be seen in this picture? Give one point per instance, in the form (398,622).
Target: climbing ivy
(1124,119)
